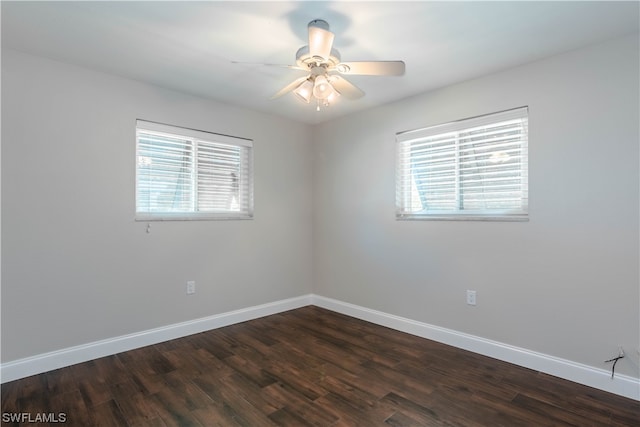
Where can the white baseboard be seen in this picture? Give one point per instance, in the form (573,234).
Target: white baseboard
(622,385)
(70,356)
(598,378)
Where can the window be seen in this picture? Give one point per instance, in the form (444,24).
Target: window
(470,169)
(188,174)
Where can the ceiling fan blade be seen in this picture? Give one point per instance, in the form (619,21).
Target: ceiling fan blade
(291,86)
(345,88)
(320,39)
(372,68)
(292,67)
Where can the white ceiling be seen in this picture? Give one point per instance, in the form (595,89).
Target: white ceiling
(189,46)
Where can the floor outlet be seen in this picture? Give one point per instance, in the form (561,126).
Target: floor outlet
(191,287)
(471,297)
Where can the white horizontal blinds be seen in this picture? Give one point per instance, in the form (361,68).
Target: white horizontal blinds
(430,172)
(491,167)
(182,176)
(165,173)
(475,166)
(223,178)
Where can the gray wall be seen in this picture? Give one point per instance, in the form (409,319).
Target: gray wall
(76,266)
(566,282)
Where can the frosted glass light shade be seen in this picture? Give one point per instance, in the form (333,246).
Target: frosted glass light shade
(304,91)
(322,88)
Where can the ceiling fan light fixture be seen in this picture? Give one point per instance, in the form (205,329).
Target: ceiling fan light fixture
(326,102)
(322,89)
(304,91)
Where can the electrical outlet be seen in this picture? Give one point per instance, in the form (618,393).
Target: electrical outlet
(191,287)
(471,297)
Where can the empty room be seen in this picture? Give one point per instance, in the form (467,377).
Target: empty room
(341,213)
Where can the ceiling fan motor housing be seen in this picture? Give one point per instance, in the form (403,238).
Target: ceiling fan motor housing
(306,60)
(319,23)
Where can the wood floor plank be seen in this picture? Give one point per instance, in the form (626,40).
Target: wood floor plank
(400,419)
(94,393)
(398,382)
(107,414)
(348,340)
(148,384)
(172,411)
(304,382)
(346,414)
(252,370)
(35,403)
(251,392)
(110,370)
(73,406)
(299,405)
(284,417)
(218,415)
(357,398)
(414,411)
(553,413)
(30,386)
(147,360)
(310,366)
(138,409)
(60,380)
(195,363)
(213,343)
(10,395)
(345,335)
(185,391)
(229,394)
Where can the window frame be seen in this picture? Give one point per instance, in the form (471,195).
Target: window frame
(404,139)
(197,137)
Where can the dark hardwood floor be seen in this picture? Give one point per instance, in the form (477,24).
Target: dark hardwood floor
(305,367)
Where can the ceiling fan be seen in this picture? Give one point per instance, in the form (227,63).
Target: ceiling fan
(324,81)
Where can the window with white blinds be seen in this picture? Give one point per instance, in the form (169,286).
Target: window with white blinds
(186,174)
(469,169)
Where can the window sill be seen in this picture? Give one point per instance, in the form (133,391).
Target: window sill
(490,218)
(150,218)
